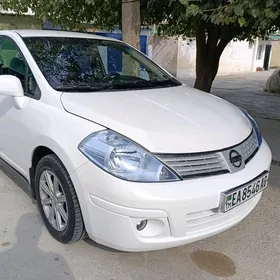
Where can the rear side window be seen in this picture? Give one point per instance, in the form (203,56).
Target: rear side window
(13,63)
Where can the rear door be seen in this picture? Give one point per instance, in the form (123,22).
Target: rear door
(14,134)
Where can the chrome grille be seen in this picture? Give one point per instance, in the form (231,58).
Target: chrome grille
(210,163)
(193,165)
(248,147)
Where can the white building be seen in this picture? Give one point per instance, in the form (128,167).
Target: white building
(178,56)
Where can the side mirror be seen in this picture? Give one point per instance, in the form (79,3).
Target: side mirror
(11,86)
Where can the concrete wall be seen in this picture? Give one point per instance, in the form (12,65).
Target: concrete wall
(164,51)
(12,12)
(10,21)
(237,56)
(186,59)
(275,55)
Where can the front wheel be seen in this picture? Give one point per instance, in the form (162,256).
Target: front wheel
(57,201)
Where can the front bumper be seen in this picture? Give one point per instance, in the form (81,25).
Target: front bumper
(178,213)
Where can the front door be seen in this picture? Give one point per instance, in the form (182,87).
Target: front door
(267,57)
(13,132)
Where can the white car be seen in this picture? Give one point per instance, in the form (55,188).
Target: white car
(113,147)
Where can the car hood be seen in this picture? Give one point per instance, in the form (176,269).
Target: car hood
(164,120)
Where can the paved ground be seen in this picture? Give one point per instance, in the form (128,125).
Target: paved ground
(246,90)
(248,251)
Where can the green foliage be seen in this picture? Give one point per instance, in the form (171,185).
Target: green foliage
(245,19)
(242,19)
(214,23)
(69,13)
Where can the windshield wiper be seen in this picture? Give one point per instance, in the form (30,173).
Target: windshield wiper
(118,85)
(140,84)
(83,87)
(168,82)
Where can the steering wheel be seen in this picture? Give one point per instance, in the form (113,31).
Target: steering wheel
(111,75)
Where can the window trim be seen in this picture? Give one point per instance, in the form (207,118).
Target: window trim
(37,95)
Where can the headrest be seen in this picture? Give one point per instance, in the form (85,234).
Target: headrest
(18,65)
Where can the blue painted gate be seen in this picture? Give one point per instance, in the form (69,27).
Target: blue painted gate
(116,56)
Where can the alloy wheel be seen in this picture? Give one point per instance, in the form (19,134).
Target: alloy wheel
(53,200)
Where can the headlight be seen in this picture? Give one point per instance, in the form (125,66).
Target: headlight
(255,126)
(123,158)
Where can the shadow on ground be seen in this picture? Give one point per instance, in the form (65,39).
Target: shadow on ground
(25,261)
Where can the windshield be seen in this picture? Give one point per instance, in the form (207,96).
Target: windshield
(82,64)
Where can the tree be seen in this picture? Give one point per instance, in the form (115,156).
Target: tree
(214,23)
(70,13)
(102,13)
(131,27)
(131,22)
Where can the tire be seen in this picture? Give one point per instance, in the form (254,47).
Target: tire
(59,209)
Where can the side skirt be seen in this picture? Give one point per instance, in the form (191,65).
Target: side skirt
(17,178)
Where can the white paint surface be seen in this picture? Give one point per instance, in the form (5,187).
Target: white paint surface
(164,120)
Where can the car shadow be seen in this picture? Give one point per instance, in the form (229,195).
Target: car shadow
(102,247)
(25,261)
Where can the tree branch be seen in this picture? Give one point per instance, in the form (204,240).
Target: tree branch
(200,41)
(214,32)
(200,34)
(201,48)
(221,46)
(227,34)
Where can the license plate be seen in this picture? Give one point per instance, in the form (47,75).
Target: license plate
(241,194)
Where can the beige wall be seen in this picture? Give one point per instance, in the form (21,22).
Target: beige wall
(180,58)
(19,22)
(237,57)
(275,55)
(186,58)
(164,51)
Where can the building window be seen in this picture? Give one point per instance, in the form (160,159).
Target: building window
(260,51)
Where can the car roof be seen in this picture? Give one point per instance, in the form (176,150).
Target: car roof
(55,33)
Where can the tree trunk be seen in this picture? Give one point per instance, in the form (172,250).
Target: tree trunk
(204,81)
(209,50)
(131,22)
(206,72)
(131,26)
